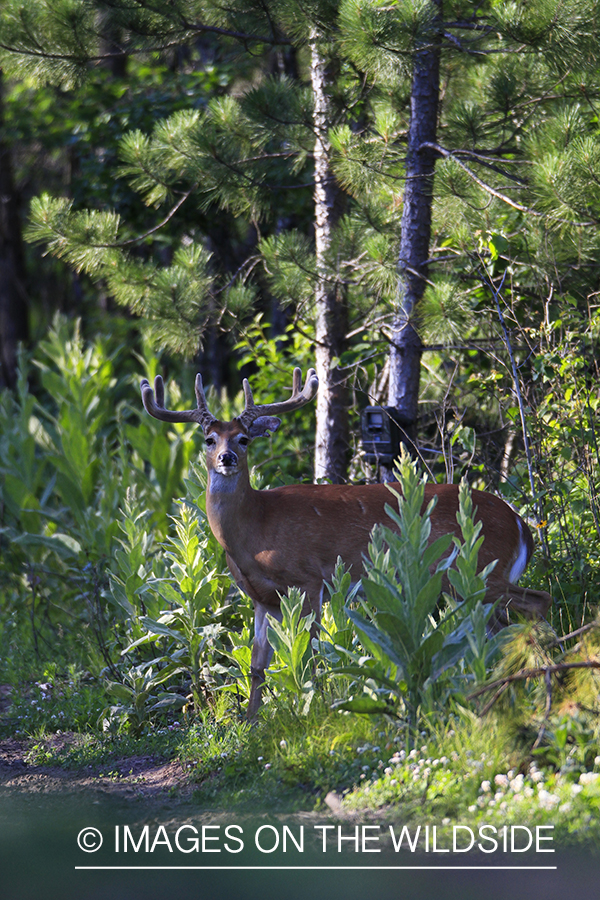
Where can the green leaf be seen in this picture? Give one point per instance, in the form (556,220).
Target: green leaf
(377,637)
(64,544)
(159,629)
(363,704)
(168,701)
(120,691)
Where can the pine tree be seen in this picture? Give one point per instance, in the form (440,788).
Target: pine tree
(502,105)
(14,321)
(448,145)
(230,157)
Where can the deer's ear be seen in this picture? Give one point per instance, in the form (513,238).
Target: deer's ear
(262,426)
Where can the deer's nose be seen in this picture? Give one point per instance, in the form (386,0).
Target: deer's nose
(228,458)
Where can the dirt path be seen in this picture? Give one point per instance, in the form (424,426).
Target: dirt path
(135,776)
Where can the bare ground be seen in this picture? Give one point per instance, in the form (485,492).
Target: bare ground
(142,777)
(133,776)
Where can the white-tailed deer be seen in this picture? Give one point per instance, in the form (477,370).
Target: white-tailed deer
(293,535)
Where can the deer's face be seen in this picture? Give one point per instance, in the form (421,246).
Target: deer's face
(226,447)
(227,442)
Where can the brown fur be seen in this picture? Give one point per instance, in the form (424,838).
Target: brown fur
(293,535)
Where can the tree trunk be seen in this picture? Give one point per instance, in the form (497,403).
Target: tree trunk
(405,344)
(14,324)
(331,448)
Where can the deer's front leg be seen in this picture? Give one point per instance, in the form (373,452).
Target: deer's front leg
(262,653)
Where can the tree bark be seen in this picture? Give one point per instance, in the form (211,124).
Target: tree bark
(331,447)
(405,344)
(14,322)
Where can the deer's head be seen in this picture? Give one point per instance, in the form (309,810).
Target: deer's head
(227,442)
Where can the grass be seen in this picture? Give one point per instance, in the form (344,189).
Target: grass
(466,770)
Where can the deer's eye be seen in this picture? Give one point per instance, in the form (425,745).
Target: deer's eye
(243,441)
(210,442)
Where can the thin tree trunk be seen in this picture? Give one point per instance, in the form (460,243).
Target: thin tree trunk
(14,324)
(331,448)
(405,345)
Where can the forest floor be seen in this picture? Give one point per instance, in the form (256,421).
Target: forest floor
(142,777)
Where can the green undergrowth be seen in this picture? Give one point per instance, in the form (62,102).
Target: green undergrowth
(285,761)
(69,701)
(87,753)
(122,635)
(463,770)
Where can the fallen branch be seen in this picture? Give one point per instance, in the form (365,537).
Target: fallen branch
(524,674)
(572,634)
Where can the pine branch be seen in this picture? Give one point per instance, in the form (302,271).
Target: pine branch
(456,42)
(449,154)
(470,26)
(40,53)
(187,32)
(167,218)
(483,159)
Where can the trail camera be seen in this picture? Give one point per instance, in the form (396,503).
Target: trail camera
(381,434)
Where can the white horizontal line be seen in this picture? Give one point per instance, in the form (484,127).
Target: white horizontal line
(309,868)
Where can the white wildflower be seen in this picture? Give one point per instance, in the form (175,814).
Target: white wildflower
(548,800)
(516,784)
(588,777)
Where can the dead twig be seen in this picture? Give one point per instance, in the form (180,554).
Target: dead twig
(524,674)
(548,680)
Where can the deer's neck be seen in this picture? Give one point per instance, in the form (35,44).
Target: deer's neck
(228,505)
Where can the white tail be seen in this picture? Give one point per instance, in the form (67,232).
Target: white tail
(291,536)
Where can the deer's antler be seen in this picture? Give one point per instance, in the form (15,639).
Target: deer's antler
(154,403)
(299,397)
